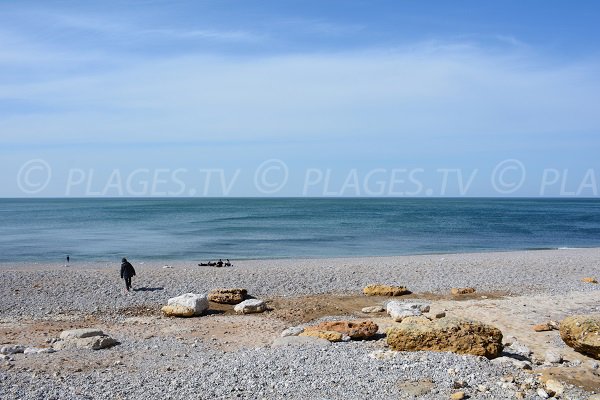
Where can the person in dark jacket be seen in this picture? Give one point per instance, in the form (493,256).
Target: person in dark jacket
(127,272)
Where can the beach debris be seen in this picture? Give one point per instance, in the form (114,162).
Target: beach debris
(385,290)
(356,330)
(399,310)
(332,336)
(167,267)
(186,305)
(589,279)
(582,333)
(462,291)
(373,309)
(553,357)
(440,314)
(460,336)
(300,341)
(250,306)
(227,296)
(85,338)
(292,331)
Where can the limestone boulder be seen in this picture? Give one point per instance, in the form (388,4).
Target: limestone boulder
(462,291)
(582,333)
(356,330)
(186,305)
(385,290)
(331,336)
(447,334)
(250,306)
(227,296)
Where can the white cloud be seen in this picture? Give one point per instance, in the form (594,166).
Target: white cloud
(421,92)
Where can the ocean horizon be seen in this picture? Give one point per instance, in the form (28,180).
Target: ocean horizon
(201,229)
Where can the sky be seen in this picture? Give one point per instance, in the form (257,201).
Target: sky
(299,98)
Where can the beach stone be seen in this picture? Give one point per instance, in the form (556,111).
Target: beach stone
(8,350)
(460,336)
(250,306)
(80,333)
(373,309)
(292,331)
(399,310)
(186,305)
(553,357)
(544,327)
(542,393)
(462,291)
(518,349)
(385,290)
(332,336)
(356,330)
(300,341)
(440,314)
(589,279)
(582,333)
(227,296)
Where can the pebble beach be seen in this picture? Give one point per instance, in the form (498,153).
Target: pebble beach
(223,355)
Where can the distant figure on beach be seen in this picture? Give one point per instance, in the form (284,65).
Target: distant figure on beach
(220,263)
(68,259)
(228,263)
(127,272)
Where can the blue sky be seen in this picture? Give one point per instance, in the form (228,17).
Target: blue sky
(338,86)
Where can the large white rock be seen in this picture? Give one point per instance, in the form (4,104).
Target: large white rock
(80,333)
(292,331)
(186,305)
(399,310)
(250,306)
(92,343)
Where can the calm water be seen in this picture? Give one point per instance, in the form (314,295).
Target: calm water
(201,229)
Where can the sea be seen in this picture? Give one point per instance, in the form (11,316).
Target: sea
(202,229)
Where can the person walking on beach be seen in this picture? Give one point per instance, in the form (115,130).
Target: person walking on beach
(68,259)
(127,272)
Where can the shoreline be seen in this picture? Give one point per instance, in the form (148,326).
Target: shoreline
(161,262)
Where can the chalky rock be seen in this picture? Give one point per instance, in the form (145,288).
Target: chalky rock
(385,290)
(186,305)
(227,296)
(399,310)
(462,291)
(92,343)
(292,331)
(447,334)
(250,306)
(582,333)
(356,330)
